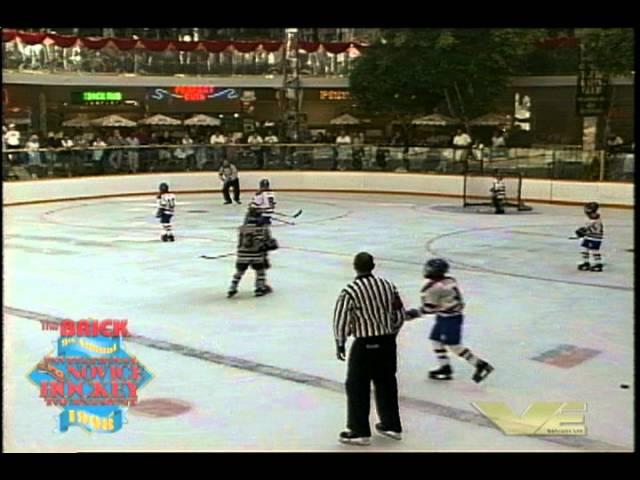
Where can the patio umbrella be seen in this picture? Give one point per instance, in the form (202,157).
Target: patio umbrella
(113,121)
(81,121)
(345,119)
(436,120)
(492,119)
(203,120)
(160,120)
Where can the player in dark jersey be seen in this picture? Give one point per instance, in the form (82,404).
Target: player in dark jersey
(442,297)
(166,209)
(254,243)
(592,234)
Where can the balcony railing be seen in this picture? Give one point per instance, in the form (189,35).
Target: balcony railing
(262,59)
(572,164)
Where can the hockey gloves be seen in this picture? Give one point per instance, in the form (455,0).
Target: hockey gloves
(341,353)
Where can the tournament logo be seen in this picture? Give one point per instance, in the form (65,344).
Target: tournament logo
(90,376)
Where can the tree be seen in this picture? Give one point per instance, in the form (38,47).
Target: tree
(611,50)
(409,72)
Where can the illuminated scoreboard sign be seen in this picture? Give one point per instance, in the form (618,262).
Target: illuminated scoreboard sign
(97,97)
(194,93)
(335,95)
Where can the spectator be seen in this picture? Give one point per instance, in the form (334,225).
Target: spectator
(68,156)
(613,143)
(462,143)
(272,139)
(98,154)
(12,140)
(33,145)
(218,139)
(342,151)
(133,157)
(256,141)
(187,151)
(498,140)
(115,154)
(358,150)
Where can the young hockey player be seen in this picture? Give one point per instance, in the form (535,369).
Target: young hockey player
(592,234)
(441,296)
(254,243)
(264,201)
(166,208)
(498,193)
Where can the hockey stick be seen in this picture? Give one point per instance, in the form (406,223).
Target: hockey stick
(574,238)
(215,257)
(295,215)
(283,221)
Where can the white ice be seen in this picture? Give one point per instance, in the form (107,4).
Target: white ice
(104,259)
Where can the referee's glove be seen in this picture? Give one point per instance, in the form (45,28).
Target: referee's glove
(413,313)
(340,351)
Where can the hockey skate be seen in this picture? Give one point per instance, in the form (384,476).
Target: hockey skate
(482,370)
(443,373)
(350,438)
(596,268)
(388,433)
(584,266)
(231,292)
(263,291)
(171,237)
(165,238)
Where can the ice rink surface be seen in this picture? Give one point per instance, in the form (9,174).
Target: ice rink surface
(247,373)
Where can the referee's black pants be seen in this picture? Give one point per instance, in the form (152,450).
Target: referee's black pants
(372,359)
(236,190)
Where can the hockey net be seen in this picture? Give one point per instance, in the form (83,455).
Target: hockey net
(477,190)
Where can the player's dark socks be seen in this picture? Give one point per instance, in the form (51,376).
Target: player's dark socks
(483,369)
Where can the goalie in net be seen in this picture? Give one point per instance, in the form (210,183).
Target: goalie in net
(495,191)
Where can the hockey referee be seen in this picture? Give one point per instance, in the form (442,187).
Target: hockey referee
(370,309)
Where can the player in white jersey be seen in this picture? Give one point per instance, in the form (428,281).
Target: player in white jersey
(442,297)
(264,201)
(166,208)
(592,234)
(498,193)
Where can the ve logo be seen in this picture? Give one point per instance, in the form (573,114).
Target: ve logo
(540,418)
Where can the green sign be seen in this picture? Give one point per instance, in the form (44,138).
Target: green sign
(97,97)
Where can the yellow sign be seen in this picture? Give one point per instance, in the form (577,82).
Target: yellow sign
(540,418)
(335,95)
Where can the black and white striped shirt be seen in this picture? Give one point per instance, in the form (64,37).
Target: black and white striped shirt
(368,307)
(499,190)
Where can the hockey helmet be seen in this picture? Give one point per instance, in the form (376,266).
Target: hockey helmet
(264,184)
(435,268)
(591,207)
(164,187)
